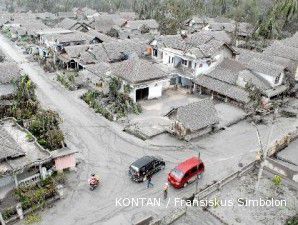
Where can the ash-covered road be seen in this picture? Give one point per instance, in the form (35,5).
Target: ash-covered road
(106,150)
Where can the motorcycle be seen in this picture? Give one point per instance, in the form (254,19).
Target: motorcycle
(93,184)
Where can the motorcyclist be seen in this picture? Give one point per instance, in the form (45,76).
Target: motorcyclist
(94,180)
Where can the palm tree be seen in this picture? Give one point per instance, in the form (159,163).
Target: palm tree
(289,9)
(223,5)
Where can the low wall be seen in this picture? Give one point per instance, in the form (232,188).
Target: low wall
(282,143)
(282,169)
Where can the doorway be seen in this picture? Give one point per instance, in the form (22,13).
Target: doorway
(142,94)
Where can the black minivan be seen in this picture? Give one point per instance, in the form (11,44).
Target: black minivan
(147,165)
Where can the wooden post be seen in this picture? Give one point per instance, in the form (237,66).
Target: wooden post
(15,179)
(20,211)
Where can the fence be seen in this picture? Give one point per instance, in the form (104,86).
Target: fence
(30,180)
(16,212)
(209,189)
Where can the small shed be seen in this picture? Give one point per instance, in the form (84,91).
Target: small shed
(194,120)
(64,158)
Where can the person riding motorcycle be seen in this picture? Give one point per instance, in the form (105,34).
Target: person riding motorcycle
(94,180)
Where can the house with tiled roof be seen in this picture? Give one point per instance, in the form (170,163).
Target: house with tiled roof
(72,24)
(245,55)
(229,81)
(85,13)
(287,49)
(57,41)
(124,49)
(272,73)
(94,76)
(24,162)
(189,56)
(220,82)
(141,26)
(199,23)
(21,28)
(105,22)
(145,79)
(100,36)
(138,29)
(67,24)
(195,23)
(193,120)
(78,56)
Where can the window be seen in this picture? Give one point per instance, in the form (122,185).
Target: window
(155,52)
(177,173)
(194,169)
(187,174)
(184,62)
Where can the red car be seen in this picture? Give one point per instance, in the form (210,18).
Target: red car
(186,172)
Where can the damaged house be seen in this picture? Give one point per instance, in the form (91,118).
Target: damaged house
(193,120)
(145,79)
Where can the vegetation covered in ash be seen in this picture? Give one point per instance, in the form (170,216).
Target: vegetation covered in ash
(270,17)
(43,124)
(114,105)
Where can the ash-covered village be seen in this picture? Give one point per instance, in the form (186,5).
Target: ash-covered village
(137,112)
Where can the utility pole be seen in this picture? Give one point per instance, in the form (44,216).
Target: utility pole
(264,151)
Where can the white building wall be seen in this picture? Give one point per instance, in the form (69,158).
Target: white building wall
(217,59)
(202,66)
(271,79)
(155,90)
(132,94)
